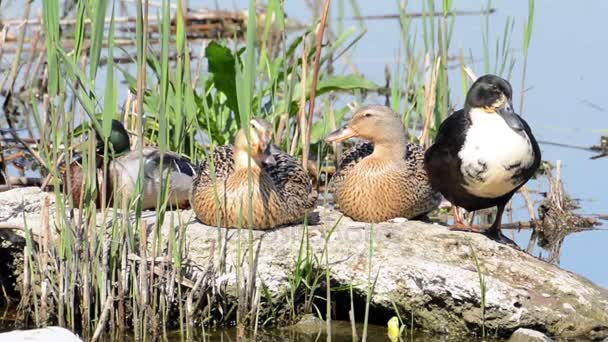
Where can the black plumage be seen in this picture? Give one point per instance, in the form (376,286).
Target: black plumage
(444,164)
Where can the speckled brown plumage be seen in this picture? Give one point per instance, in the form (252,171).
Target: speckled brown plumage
(282,192)
(378,184)
(374,190)
(76,182)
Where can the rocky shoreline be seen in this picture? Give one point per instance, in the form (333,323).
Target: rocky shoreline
(426,271)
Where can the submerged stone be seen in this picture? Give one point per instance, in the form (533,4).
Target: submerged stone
(529,335)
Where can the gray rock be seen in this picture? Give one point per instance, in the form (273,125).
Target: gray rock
(423,268)
(528,335)
(42,334)
(309,325)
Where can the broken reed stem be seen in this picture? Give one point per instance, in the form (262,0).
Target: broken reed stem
(431,96)
(144,299)
(17,58)
(152,308)
(44,250)
(281,128)
(315,79)
(107,308)
(301,110)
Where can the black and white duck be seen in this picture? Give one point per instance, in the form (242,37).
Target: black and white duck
(483,153)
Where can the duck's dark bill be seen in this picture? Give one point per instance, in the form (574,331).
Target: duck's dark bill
(507,113)
(268,157)
(340,135)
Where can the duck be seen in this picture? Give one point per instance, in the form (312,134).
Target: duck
(280,187)
(383,178)
(483,153)
(123,172)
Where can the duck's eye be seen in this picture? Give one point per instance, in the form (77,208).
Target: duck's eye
(252,125)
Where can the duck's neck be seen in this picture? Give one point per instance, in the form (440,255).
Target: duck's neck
(390,147)
(242,161)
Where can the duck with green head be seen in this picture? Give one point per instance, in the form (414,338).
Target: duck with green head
(124,171)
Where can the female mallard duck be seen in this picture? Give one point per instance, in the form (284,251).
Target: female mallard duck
(384,178)
(124,172)
(483,153)
(281,189)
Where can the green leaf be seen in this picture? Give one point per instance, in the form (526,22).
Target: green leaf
(347,82)
(222,66)
(50,18)
(337,83)
(98,26)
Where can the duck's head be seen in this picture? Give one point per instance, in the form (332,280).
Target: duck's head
(375,123)
(492,95)
(119,139)
(261,143)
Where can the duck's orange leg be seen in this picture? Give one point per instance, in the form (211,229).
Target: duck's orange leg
(459,225)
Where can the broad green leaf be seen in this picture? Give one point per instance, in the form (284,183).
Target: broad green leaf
(222,66)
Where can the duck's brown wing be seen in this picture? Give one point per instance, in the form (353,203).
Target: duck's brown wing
(351,157)
(221,162)
(293,183)
(427,199)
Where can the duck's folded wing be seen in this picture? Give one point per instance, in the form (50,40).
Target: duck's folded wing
(351,157)
(291,180)
(170,161)
(222,165)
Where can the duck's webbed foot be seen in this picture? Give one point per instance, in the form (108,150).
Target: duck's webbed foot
(460,226)
(495,233)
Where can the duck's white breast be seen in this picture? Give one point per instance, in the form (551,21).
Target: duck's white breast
(492,155)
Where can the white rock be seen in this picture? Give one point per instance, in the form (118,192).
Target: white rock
(42,334)
(568,307)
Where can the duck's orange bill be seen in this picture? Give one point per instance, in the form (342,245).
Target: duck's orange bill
(340,135)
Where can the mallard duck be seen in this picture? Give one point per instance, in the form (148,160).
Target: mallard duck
(483,153)
(123,172)
(384,178)
(281,188)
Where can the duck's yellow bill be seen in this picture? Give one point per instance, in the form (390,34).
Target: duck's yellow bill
(340,135)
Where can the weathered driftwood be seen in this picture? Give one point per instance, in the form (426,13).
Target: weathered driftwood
(421,268)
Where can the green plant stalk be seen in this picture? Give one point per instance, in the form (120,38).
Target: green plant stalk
(368,297)
(482,289)
(527,38)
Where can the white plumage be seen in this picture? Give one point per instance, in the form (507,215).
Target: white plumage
(492,154)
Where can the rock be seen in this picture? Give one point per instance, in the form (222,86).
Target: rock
(528,335)
(42,334)
(427,271)
(309,325)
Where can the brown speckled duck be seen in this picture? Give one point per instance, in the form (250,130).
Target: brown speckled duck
(384,178)
(282,189)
